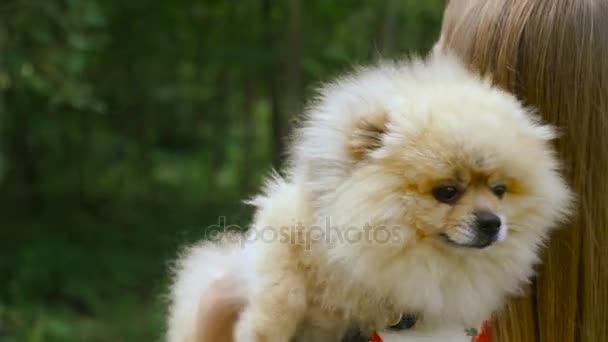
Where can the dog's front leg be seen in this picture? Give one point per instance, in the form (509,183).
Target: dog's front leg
(276,305)
(274,311)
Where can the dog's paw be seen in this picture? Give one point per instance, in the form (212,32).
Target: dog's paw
(254,329)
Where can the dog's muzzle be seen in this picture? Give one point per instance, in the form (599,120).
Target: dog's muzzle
(486,229)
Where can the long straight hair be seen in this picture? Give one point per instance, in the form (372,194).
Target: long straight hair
(553,54)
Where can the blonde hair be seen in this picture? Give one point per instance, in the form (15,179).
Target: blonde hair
(553,54)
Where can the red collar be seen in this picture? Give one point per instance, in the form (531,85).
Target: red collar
(484,335)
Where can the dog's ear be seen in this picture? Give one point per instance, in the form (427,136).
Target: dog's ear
(367,135)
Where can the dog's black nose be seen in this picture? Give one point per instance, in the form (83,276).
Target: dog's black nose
(487,223)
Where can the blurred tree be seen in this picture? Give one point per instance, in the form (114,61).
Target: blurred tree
(126,128)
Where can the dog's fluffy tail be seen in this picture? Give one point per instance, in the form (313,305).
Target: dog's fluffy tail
(199,268)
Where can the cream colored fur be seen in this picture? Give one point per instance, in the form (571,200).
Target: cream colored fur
(374,145)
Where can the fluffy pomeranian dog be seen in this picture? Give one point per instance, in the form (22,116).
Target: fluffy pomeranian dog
(413,188)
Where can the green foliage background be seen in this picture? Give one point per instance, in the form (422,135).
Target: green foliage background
(128,127)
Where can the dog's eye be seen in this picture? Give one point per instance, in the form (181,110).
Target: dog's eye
(447,194)
(499,190)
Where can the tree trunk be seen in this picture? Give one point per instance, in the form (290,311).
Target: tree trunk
(277,126)
(247,121)
(389,26)
(293,69)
